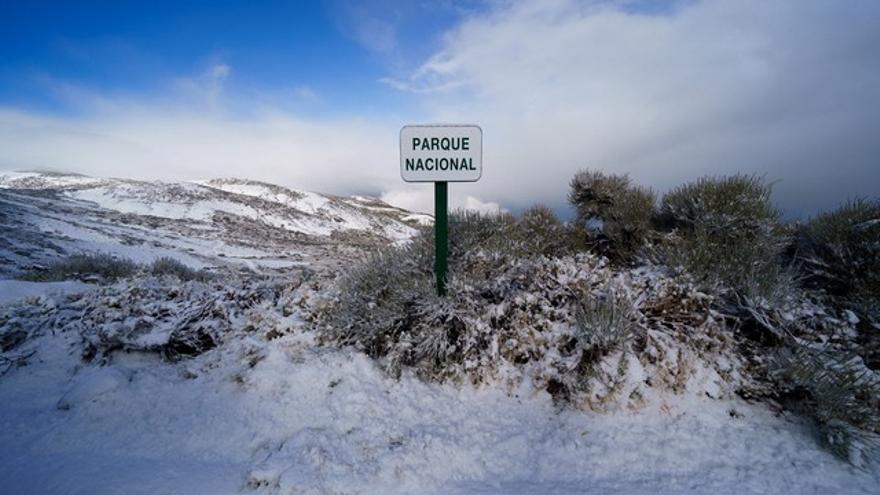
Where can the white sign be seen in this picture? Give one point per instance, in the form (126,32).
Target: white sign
(437,153)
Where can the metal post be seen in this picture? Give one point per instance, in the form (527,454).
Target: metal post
(441,239)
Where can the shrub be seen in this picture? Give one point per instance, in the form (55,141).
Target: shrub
(603,324)
(384,297)
(840,254)
(376,297)
(619,211)
(491,232)
(543,233)
(166,266)
(843,396)
(80,266)
(841,251)
(388,308)
(726,234)
(557,322)
(721,205)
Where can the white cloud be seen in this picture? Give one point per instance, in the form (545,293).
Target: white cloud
(219,71)
(420,197)
(414,198)
(174,143)
(203,89)
(787,88)
(476,204)
(305,93)
(374,24)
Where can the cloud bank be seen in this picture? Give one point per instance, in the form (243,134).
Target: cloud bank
(789,89)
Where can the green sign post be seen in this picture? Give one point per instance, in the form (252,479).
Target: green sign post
(441,235)
(441,154)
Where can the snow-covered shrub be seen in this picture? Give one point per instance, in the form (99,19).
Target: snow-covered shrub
(538,232)
(376,295)
(498,310)
(172,319)
(840,255)
(108,267)
(843,395)
(726,234)
(846,246)
(604,323)
(470,230)
(721,204)
(618,211)
(750,275)
(545,234)
(166,266)
(79,266)
(570,325)
(387,305)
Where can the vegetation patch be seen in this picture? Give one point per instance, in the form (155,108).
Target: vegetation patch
(616,212)
(83,266)
(108,268)
(700,294)
(570,324)
(166,266)
(839,252)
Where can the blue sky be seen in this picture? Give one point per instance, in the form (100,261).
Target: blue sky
(305,48)
(312,94)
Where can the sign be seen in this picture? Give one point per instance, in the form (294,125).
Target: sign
(441,153)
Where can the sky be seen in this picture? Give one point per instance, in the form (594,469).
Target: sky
(312,95)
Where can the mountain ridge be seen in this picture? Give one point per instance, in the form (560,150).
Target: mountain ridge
(211,223)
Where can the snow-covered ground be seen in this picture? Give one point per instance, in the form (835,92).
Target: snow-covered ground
(308,420)
(17,290)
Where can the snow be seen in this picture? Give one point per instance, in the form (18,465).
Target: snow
(12,177)
(308,202)
(320,205)
(15,290)
(115,199)
(36,180)
(317,214)
(420,218)
(90,385)
(312,420)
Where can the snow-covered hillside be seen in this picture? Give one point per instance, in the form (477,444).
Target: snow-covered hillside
(209,223)
(155,384)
